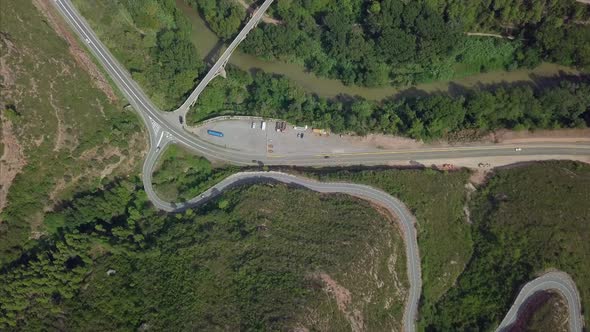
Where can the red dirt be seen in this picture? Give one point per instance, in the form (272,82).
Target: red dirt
(343,301)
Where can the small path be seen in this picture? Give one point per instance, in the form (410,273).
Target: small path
(483,34)
(265,18)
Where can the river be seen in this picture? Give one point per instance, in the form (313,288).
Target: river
(207,45)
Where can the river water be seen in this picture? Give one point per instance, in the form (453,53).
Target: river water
(208,44)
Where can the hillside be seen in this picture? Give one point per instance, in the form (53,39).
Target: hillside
(527,220)
(265,257)
(64,129)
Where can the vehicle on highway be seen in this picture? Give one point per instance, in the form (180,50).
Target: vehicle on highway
(518,149)
(263,125)
(158,149)
(214,133)
(180,119)
(253,125)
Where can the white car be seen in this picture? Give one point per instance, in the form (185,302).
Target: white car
(518,149)
(253,125)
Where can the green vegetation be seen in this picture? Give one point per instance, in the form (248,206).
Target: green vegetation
(224,16)
(436,199)
(72,129)
(397,42)
(152,40)
(270,259)
(526,220)
(181,175)
(428,117)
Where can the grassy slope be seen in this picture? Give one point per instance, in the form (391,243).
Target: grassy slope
(182,175)
(70,131)
(251,265)
(133,43)
(436,199)
(527,220)
(130,45)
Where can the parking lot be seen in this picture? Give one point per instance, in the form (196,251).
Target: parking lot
(238,134)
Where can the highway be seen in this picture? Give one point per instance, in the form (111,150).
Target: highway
(165,128)
(556,281)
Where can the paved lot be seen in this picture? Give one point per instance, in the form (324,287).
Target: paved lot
(239,135)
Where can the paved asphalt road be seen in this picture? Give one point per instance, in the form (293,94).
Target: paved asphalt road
(557,281)
(164,129)
(393,205)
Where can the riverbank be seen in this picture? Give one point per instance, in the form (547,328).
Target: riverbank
(208,45)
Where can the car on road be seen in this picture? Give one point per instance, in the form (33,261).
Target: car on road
(518,149)
(158,149)
(253,125)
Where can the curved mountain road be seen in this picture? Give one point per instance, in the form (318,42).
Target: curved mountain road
(392,204)
(164,128)
(556,281)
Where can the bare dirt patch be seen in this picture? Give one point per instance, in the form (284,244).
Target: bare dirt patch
(79,55)
(555,136)
(385,142)
(12,160)
(7,76)
(343,301)
(479,177)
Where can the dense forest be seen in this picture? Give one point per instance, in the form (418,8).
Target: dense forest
(261,258)
(375,43)
(424,117)
(526,220)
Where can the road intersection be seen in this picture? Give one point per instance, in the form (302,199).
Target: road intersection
(165,128)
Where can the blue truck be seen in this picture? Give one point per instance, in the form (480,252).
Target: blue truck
(214,133)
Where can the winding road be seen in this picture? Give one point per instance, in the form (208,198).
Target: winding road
(165,128)
(556,281)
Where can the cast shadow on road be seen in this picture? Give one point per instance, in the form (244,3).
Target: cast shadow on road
(526,311)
